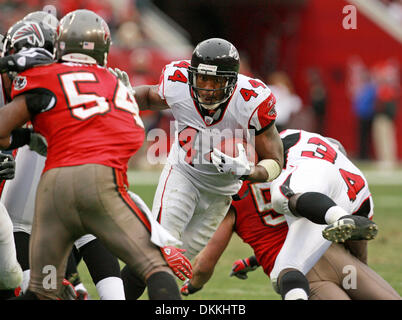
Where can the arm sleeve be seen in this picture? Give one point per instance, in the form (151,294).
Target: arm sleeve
(31,85)
(264,115)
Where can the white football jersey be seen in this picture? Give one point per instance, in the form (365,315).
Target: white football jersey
(18,194)
(248,112)
(301,146)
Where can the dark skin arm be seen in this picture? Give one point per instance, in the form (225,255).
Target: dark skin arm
(13,115)
(205,261)
(148,98)
(268,145)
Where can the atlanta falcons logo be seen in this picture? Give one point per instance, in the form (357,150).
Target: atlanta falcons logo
(31,32)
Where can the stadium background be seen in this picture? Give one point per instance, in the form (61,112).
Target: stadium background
(299,44)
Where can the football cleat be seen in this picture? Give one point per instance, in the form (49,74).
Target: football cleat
(350,227)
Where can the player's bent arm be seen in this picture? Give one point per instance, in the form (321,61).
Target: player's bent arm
(12,116)
(269,149)
(148,98)
(207,259)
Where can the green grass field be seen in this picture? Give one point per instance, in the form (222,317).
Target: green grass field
(385,252)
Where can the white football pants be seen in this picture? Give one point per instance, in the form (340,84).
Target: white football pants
(190,214)
(10,269)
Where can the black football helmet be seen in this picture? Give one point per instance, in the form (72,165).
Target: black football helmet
(28,34)
(83,37)
(48,19)
(216,57)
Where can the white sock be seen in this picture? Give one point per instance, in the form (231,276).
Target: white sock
(111,288)
(334,214)
(25,280)
(296,294)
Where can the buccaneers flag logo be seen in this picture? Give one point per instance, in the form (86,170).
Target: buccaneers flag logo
(31,32)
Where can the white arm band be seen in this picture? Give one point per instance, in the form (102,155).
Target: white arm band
(272,167)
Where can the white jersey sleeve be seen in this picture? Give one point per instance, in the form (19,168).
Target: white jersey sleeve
(256,101)
(174,75)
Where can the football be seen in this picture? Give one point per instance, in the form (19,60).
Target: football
(229,147)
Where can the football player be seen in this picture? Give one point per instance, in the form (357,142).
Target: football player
(257,224)
(10,269)
(318,186)
(103,267)
(209,99)
(20,38)
(38,30)
(298,247)
(81,109)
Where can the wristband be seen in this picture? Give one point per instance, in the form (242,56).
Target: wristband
(272,167)
(192,289)
(252,261)
(19,138)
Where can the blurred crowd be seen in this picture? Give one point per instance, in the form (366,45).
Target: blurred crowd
(117,13)
(374,91)
(132,49)
(375,95)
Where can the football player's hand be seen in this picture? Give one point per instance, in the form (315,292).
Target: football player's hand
(25,59)
(38,144)
(123,77)
(179,263)
(187,288)
(67,291)
(241,267)
(7,166)
(238,166)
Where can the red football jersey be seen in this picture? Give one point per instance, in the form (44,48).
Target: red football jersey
(258,224)
(94,119)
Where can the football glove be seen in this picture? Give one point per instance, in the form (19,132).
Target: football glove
(179,263)
(25,59)
(238,166)
(67,291)
(123,77)
(187,288)
(7,166)
(38,144)
(241,267)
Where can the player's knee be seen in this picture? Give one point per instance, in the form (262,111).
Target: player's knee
(162,286)
(293,285)
(11,278)
(280,203)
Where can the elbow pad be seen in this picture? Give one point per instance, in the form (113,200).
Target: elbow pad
(39,100)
